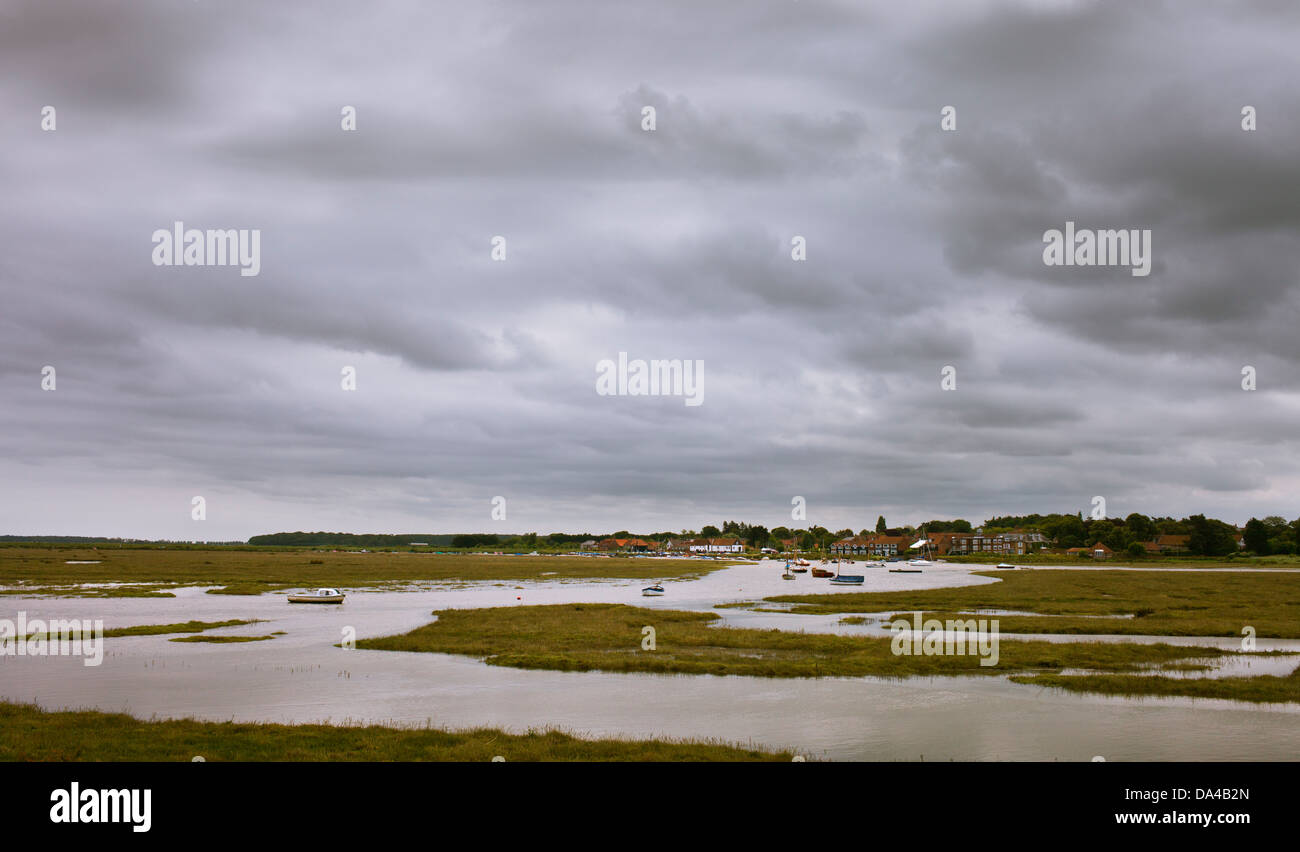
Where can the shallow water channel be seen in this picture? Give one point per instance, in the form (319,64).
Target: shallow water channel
(302,677)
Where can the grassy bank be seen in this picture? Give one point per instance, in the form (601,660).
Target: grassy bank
(29,733)
(608,637)
(164,629)
(1259,688)
(43,570)
(220,640)
(1166,561)
(1162,603)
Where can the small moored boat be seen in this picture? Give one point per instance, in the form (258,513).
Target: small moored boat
(847,579)
(326,596)
(654,591)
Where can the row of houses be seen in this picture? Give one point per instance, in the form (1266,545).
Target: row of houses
(940,544)
(693,545)
(878,544)
(1018,542)
(891,543)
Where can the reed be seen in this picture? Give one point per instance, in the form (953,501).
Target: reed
(609,637)
(30,733)
(1157,603)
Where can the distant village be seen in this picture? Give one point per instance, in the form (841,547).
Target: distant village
(1069,535)
(1074,535)
(883,545)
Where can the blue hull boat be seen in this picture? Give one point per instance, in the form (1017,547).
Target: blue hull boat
(849,579)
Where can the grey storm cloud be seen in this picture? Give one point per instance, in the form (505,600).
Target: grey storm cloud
(476,377)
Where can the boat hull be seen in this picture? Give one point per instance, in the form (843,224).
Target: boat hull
(849,580)
(317,599)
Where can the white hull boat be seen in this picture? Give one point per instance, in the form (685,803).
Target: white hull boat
(321,596)
(655,591)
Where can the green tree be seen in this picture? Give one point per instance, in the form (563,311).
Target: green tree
(881,526)
(1066,530)
(710,531)
(1142,528)
(1135,550)
(1256,536)
(1209,537)
(1280,537)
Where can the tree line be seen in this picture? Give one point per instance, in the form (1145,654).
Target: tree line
(1206,536)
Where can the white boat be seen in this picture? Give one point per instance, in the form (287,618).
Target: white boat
(326,596)
(654,591)
(1004,565)
(924,560)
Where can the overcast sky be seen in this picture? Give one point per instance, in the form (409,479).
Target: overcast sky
(774,118)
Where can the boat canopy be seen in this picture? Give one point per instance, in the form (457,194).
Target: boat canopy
(919,543)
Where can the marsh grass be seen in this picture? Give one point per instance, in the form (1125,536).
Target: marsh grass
(608,637)
(1258,688)
(74,591)
(1171,603)
(1056,559)
(43,571)
(218,640)
(163,629)
(29,733)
